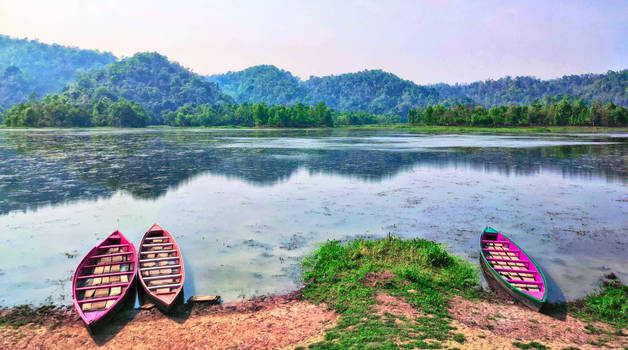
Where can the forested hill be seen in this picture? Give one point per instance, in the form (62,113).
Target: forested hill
(374,91)
(377,91)
(28,66)
(135,91)
(609,87)
(149,79)
(261,84)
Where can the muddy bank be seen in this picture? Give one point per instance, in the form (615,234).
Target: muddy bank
(276,322)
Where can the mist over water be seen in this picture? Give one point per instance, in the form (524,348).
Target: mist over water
(247,205)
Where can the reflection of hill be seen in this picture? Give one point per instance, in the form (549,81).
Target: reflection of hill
(48,168)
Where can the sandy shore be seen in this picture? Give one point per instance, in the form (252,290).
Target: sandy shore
(288,321)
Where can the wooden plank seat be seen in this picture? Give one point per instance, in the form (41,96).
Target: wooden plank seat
(159,267)
(499,250)
(158,251)
(113,246)
(110,255)
(506,260)
(157,244)
(159,259)
(165,286)
(159,277)
(109,274)
(102,286)
(155,238)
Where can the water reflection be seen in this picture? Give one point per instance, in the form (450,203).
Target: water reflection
(51,167)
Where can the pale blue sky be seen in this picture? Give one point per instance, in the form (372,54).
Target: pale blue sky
(424,41)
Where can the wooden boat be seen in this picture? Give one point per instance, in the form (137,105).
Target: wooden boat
(104,279)
(161,267)
(509,268)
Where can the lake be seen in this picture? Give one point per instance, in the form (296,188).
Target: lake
(247,205)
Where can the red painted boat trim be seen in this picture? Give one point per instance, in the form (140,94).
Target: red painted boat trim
(91,317)
(165,300)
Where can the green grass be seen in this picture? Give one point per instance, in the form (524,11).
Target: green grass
(530,345)
(610,305)
(423,274)
(26,314)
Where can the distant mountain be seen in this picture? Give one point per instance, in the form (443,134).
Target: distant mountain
(609,87)
(28,66)
(377,91)
(149,79)
(261,84)
(374,91)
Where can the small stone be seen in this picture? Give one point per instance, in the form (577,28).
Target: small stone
(611,276)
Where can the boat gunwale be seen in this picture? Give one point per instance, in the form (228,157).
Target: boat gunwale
(508,283)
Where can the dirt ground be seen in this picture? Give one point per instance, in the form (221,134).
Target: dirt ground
(288,321)
(264,323)
(497,324)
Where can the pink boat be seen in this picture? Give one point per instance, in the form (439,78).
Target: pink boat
(509,268)
(162,273)
(104,279)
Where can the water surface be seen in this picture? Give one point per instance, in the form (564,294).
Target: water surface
(246,205)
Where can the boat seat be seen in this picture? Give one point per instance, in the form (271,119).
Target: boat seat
(159,259)
(157,244)
(159,267)
(159,251)
(165,286)
(159,277)
(103,286)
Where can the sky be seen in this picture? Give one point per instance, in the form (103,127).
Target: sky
(423,41)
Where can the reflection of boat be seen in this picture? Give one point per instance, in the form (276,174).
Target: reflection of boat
(161,267)
(508,268)
(104,278)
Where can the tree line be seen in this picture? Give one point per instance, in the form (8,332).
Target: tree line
(61,111)
(560,113)
(247,114)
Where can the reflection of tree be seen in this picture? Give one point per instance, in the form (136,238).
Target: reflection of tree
(48,168)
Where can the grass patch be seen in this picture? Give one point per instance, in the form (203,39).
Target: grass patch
(530,345)
(610,305)
(422,274)
(25,314)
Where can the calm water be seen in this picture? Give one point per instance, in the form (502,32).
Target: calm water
(246,205)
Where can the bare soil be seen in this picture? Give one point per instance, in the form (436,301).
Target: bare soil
(264,323)
(496,324)
(288,321)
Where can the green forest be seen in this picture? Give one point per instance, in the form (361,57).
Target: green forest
(548,113)
(379,92)
(29,67)
(45,85)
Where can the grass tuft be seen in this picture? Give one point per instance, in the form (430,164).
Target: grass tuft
(425,276)
(530,345)
(610,305)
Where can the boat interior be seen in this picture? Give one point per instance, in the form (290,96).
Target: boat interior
(160,264)
(512,264)
(105,275)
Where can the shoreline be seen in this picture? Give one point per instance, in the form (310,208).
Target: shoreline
(289,321)
(435,129)
(383,293)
